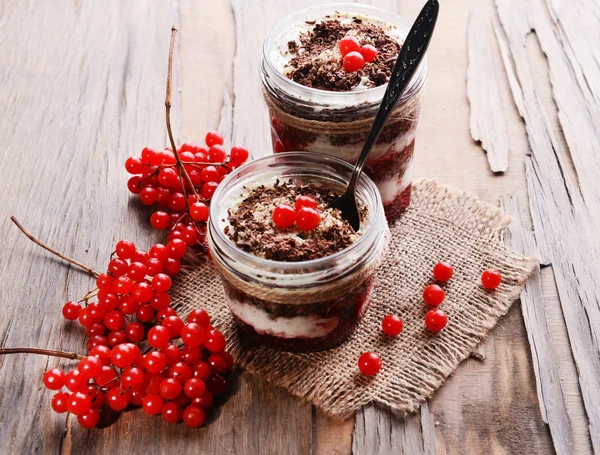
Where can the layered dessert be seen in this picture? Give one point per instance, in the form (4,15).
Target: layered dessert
(296,275)
(324,75)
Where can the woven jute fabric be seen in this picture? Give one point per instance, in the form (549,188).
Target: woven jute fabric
(441,224)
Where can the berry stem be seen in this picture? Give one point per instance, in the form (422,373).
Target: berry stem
(52,250)
(50,352)
(180,165)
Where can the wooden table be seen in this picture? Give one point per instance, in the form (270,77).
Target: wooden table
(82,88)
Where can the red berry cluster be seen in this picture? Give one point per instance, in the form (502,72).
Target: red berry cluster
(355,55)
(369,363)
(183,190)
(176,380)
(304,214)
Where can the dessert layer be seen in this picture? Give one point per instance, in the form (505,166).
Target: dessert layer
(312,58)
(252,229)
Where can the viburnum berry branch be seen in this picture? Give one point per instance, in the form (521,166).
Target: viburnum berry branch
(52,250)
(180,165)
(50,352)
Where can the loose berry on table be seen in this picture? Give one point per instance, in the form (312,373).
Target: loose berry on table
(391,325)
(491,279)
(433,295)
(369,363)
(443,271)
(436,320)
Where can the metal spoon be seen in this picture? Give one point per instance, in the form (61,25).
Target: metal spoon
(411,54)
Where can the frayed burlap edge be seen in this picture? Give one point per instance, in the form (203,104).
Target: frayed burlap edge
(441,223)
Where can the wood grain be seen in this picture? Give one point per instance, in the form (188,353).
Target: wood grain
(563,210)
(487,122)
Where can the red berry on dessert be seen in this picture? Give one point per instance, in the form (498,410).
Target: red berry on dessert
(368,52)
(284,216)
(433,295)
(392,325)
(353,61)
(491,279)
(443,271)
(305,201)
(307,218)
(369,363)
(348,44)
(436,320)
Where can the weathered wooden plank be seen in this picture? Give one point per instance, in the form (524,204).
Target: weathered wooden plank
(563,211)
(488,125)
(551,395)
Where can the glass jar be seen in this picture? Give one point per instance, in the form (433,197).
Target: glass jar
(337,123)
(306,305)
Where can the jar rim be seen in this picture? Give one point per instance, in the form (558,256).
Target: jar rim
(376,214)
(319,96)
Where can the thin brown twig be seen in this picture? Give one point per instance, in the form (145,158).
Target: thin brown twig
(180,165)
(29,235)
(50,352)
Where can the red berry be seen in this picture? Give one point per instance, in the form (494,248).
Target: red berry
(104,282)
(123,355)
(153,404)
(123,285)
(369,363)
(54,379)
(216,384)
(239,154)
(137,271)
(191,354)
(102,353)
(199,211)
(210,174)
(139,256)
(213,137)
(391,325)
(171,412)
(149,196)
(284,216)
(125,249)
(117,399)
(174,324)
(172,354)
(436,320)
(305,201)
(208,189)
(205,401)
(107,378)
(163,195)
(217,154)
(135,332)
(132,377)
(443,271)
(159,251)
(114,320)
(161,282)
(192,334)
(217,363)
(353,61)
(348,44)
(160,220)
(150,156)
(134,165)
(491,279)
(214,341)
(90,366)
(368,52)
(177,202)
(153,266)
(79,403)
(90,419)
(158,337)
(116,338)
(194,417)
(75,381)
(308,218)
(176,248)
(71,310)
(155,362)
(200,317)
(142,291)
(433,295)
(170,388)
(60,402)
(133,184)
(194,388)
(160,301)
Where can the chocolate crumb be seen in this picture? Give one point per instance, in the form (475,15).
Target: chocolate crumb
(293,47)
(252,229)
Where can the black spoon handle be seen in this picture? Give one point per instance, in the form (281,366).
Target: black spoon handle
(411,54)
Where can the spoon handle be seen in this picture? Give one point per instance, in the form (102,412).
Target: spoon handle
(412,52)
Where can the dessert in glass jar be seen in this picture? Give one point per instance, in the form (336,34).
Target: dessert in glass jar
(319,103)
(292,287)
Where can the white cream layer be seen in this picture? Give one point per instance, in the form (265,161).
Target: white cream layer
(295,327)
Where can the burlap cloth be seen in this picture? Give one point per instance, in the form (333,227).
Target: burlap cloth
(441,224)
